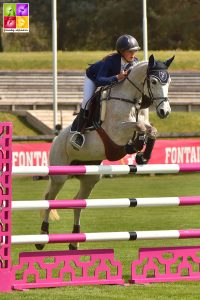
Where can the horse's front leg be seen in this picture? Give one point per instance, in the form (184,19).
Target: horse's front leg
(130,126)
(86,185)
(143,157)
(136,132)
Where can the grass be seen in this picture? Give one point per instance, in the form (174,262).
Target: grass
(79,60)
(181,122)
(20,125)
(100,220)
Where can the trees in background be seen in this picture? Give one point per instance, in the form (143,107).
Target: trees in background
(95,25)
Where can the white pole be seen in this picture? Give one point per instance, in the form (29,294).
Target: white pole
(145,38)
(54,47)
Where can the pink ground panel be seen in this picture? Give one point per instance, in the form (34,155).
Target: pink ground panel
(166,264)
(62,268)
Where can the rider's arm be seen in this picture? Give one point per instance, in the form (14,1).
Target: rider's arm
(110,71)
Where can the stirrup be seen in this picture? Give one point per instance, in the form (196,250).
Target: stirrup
(77,140)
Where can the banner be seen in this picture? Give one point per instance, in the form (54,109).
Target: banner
(32,154)
(165,152)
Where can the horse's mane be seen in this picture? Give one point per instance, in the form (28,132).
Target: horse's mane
(141,65)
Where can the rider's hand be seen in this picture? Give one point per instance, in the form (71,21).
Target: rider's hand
(122,75)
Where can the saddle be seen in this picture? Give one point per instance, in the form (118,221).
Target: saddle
(94,113)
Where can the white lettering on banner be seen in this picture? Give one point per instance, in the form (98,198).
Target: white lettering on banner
(30,158)
(15,158)
(177,155)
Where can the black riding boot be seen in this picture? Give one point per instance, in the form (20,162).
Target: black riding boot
(78,139)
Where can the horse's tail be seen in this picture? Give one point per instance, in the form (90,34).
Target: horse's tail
(54,216)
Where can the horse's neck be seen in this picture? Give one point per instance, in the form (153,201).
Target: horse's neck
(117,111)
(137,76)
(128,90)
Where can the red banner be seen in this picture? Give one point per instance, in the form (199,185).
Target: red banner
(34,154)
(165,152)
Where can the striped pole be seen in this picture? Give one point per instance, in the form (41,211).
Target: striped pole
(105,236)
(105,203)
(105,170)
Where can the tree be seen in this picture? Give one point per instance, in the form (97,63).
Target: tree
(173,24)
(95,25)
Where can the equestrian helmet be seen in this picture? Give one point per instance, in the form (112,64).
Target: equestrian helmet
(127,42)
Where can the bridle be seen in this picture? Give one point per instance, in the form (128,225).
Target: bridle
(150,99)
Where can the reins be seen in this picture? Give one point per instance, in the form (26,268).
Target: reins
(134,101)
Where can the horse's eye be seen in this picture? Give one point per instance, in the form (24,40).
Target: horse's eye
(153,81)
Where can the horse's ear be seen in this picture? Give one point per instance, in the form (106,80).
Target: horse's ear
(169,61)
(151,61)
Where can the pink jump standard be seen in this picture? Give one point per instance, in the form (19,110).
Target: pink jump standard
(5,205)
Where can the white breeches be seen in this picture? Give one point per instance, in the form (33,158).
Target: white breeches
(88,91)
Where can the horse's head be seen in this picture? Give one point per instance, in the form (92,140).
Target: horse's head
(156,86)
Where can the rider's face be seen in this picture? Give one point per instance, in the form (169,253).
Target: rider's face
(129,55)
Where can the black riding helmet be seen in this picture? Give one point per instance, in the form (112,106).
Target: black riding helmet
(127,42)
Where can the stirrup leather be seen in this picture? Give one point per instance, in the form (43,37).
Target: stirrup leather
(77,140)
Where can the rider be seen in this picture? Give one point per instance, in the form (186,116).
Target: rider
(109,70)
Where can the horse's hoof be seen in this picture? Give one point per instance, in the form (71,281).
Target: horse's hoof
(140,160)
(72,247)
(39,246)
(44,230)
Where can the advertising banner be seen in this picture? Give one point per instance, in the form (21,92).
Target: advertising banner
(165,152)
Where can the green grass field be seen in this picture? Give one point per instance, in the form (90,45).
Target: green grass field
(79,60)
(126,219)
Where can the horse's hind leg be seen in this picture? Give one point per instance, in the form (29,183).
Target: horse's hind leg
(86,185)
(53,188)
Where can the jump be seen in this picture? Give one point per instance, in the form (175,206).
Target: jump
(125,108)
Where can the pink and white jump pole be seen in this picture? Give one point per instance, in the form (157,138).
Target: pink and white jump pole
(105,170)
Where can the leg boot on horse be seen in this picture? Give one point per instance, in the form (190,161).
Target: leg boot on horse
(136,145)
(143,157)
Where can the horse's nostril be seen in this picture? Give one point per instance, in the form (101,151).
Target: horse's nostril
(162,112)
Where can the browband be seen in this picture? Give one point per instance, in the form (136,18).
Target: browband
(161,75)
